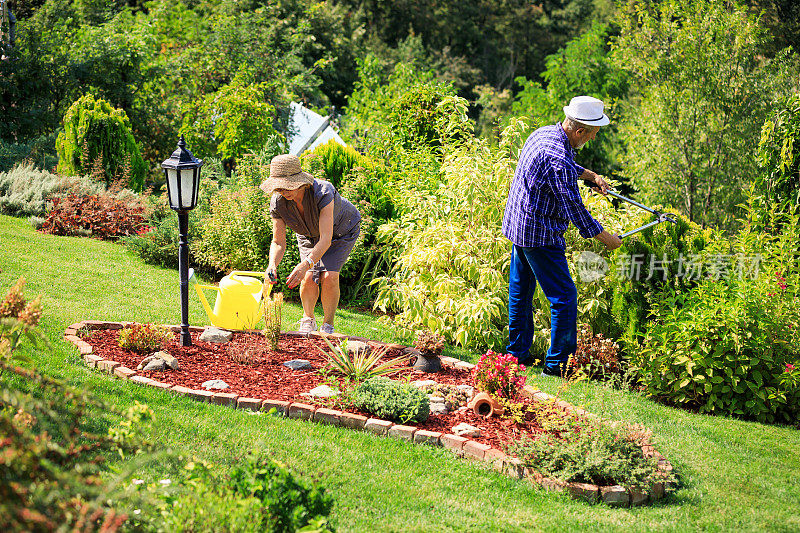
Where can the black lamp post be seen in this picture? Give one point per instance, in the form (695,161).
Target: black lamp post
(182,170)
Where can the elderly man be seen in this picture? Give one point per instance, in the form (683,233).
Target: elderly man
(543,200)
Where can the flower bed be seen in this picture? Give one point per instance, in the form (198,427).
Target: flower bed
(264,383)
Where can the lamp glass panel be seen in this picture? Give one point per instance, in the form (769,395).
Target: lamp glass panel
(172,187)
(187,187)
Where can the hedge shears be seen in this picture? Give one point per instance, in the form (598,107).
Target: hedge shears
(660,217)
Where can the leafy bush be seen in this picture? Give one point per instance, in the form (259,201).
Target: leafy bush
(99,215)
(143,338)
(451,260)
(596,453)
(652,263)
(390,399)
(156,241)
(98,137)
(259,495)
(238,232)
(53,440)
(723,345)
(499,375)
(231,121)
(778,154)
(290,503)
(40,152)
(25,189)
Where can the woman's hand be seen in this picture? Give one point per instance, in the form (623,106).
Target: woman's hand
(297,274)
(271,274)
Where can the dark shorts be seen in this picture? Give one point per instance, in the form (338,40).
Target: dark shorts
(336,255)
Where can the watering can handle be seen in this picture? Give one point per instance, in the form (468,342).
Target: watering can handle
(246,273)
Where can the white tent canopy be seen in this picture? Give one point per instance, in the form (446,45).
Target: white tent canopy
(310,129)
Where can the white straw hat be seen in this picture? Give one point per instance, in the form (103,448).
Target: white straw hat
(285,173)
(587,110)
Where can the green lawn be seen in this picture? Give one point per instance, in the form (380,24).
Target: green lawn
(734,475)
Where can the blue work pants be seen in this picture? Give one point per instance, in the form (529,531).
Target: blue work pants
(548,266)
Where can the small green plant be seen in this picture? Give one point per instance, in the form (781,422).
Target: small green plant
(595,356)
(429,343)
(273,308)
(18,320)
(453,396)
(596,453)
(361,364)
(144,338)
(390,399)
(499,375)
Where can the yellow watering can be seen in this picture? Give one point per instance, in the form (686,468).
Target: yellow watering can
(240,299)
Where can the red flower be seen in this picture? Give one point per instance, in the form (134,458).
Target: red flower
(789,367)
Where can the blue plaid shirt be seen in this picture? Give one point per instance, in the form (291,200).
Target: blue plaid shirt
(544,195)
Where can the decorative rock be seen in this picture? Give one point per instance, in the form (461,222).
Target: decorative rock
(438,408)
(323,391)
(615,495)
(423,383)
(215,384)
(465,430)
(216,335)
(298,364)
(170,361)
(584,491)
(144,362)
(356,347)
(157,365)
(468,389)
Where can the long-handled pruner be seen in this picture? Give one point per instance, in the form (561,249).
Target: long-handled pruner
(661,216)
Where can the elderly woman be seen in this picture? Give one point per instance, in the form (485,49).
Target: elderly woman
(327,227)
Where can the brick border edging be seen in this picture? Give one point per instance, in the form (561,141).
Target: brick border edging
(614,495)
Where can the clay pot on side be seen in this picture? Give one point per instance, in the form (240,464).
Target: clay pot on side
(483,404)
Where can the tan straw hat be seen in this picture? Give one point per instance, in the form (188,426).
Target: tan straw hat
(285,173)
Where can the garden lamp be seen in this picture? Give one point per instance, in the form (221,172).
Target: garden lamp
(182,170)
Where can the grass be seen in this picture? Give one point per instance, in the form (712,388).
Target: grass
(735,475)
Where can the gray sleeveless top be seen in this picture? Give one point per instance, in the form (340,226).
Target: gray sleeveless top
(346,217)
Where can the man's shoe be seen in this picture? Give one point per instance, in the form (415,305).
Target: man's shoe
(307,324)
(327,328)
(547,374)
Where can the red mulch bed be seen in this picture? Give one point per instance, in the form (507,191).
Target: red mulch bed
(265,376)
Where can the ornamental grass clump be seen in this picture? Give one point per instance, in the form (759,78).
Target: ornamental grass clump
(273,309)
(143,338)
(359,365)
(499,375)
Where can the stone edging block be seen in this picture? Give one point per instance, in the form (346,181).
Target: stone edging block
(402,432)
(615,495)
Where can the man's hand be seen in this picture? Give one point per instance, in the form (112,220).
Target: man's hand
(600,184)
(297,274)
(612,242)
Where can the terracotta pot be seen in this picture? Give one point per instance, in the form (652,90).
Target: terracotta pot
(483,404)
